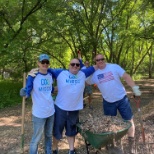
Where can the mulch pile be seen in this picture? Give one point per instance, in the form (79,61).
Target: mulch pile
(102,124)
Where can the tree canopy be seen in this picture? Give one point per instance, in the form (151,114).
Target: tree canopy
(122,30)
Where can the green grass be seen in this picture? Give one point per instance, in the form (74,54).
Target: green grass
(9,93)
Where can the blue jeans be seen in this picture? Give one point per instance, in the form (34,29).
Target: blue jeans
(41,125)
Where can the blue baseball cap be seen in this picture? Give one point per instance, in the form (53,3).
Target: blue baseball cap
(43,57)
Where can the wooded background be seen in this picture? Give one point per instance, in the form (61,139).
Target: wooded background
(122,30)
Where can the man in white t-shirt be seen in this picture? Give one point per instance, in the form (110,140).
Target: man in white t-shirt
(69,101)
(108,80)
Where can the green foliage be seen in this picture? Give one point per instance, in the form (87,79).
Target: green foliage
(122,30)
(9,93)
(137,77)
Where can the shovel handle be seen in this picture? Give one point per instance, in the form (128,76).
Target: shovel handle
(23,116)
(137,100)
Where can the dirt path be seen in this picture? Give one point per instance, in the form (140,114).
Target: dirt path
(10,124)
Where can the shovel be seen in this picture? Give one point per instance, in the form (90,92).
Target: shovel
(138,101)
(23,116)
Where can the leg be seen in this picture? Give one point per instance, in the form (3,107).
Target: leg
(89,93)
(131,131)
(71,129)
(90,100)
(131,139)
(48,134)
(71,141)
(38,128)
(55,145)
(126,113)
(59,123)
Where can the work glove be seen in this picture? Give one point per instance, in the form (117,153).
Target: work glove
(23,92)
(33,72)
(136,91)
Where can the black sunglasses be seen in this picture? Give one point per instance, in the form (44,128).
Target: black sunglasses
(44,62)
(101,59)
(73,64)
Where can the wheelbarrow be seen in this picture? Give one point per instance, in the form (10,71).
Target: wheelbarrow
(104,139)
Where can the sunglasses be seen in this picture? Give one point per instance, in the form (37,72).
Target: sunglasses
(44,62)
(73,64)
(101,59)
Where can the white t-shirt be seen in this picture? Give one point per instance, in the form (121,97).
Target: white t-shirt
(43,104)
(109,82)
(70,90)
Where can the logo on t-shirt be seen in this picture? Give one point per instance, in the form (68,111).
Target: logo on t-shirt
(73,79)
(72,76)
(45,85)
(105,77)
(45,82)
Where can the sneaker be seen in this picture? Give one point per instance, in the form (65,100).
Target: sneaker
(71,152)
(55,152)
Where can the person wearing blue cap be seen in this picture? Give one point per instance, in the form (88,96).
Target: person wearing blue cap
(40,88)
(69,101)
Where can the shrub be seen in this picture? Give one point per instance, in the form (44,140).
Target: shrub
(9,93)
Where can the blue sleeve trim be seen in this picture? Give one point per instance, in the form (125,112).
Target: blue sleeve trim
(29,85)
(88,71)
(81,64)
(55,72)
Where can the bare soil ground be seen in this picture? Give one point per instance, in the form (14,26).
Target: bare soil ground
(10,125)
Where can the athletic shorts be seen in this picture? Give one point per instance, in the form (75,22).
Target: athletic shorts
(67,120)
(123,106)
